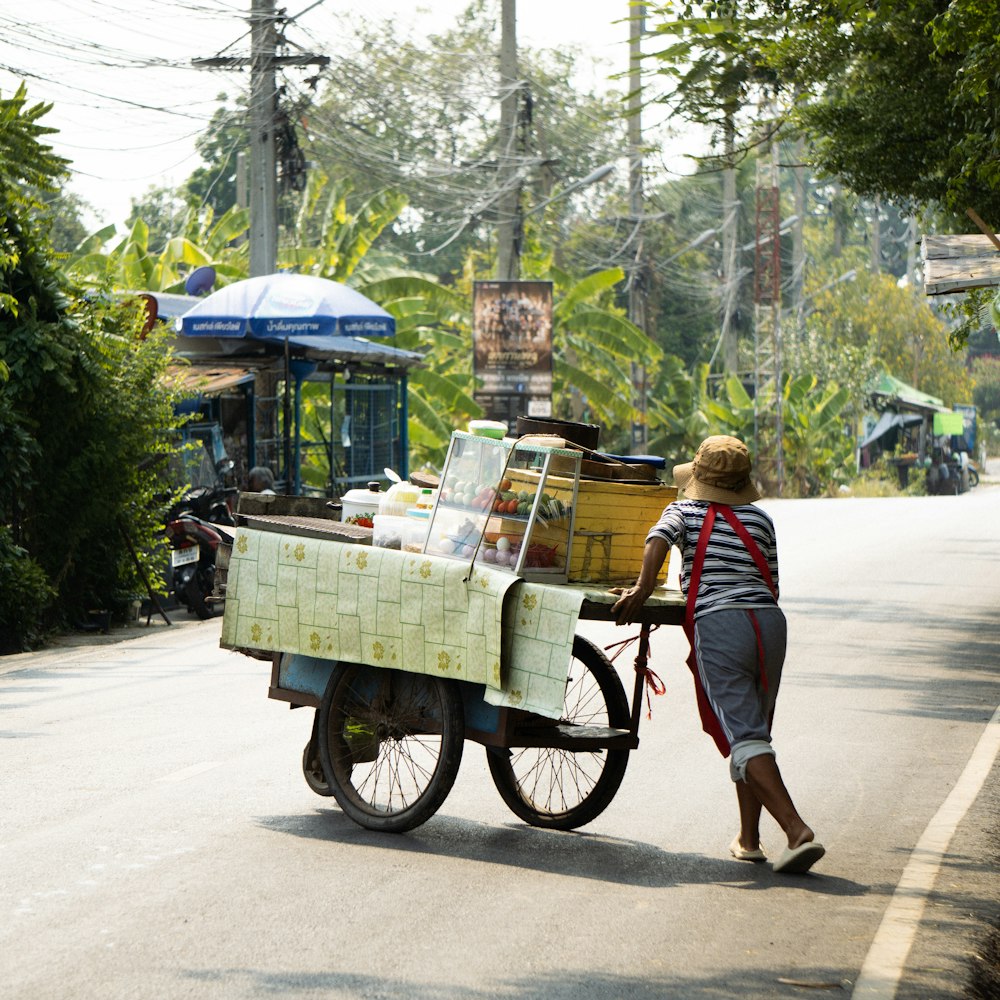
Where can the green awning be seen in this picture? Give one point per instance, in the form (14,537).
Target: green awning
(891,386)
(949,423)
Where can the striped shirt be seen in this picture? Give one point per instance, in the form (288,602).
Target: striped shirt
(730,577)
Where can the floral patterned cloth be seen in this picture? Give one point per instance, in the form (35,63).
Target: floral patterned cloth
(403,610)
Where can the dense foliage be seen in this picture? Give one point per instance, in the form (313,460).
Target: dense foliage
(901,103)
(403,162)
(83,410)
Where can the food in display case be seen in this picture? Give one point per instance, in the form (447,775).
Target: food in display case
(499,505)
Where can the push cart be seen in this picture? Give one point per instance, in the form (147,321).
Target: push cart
(406,655)
(387,744)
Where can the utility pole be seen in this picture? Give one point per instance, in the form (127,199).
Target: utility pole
(241,180)
(262,64)
(877,235)
(912,239)
(730,222)
(798,240)
(263,163)
(637,292)
(508,183)
(779,399)
(767,291)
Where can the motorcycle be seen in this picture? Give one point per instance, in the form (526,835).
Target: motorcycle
(196,526)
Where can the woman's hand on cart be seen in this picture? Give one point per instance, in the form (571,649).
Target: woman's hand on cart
(628,607)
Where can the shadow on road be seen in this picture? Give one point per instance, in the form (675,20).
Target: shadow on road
(571,983)
(577,855)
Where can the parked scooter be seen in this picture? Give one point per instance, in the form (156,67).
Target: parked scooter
(196,525)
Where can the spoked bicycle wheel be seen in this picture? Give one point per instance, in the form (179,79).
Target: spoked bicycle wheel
(390,744)
(563,789)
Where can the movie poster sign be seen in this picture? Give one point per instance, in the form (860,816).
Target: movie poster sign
(512,348)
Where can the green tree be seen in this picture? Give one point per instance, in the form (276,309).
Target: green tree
(897,97)
(418,116)
(683,258)
(712,67)
(163,211)
(64,214)
(895,326)
(213,185)
(83,411)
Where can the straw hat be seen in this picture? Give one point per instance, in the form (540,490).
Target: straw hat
(720,472)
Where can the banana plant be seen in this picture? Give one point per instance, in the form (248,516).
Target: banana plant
(132,265)
(593,349)
(436,322)
(676,409)
(816,445)
(331,240)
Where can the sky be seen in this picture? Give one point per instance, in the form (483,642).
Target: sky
(128,103)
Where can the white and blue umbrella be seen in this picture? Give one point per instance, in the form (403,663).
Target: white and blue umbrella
(284,305)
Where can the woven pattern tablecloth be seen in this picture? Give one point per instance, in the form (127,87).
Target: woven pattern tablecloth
(403,610)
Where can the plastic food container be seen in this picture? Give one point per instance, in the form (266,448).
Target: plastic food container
(417,524)
(488,428)
(398,499)
(361,506)
(389,531)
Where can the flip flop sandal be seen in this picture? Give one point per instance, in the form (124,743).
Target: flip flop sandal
(799,859)
(738,851)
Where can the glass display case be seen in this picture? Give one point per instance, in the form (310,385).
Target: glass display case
(509,504)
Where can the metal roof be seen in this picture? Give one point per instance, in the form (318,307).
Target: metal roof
(210,378)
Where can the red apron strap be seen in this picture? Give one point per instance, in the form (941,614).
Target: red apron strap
(696,566)
(751,546)
(709,721)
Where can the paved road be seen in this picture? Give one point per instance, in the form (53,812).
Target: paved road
(157,838)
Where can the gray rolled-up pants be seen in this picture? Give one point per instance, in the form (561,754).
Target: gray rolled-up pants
(741,693)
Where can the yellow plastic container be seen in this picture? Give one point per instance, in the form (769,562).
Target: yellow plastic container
(610,528)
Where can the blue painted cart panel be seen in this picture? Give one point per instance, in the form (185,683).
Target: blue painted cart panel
(310,675)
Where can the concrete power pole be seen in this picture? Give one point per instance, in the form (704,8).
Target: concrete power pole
(730,223)
(637,291)
(263,164)
(767,291)
(800,181)
(509,200)
(876,242)
(263,62)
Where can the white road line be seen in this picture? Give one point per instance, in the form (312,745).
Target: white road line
(886,957)
(190,772)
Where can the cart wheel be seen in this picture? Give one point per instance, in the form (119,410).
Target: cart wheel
(563,789)
(390,744)
(313,770)
(312,767)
